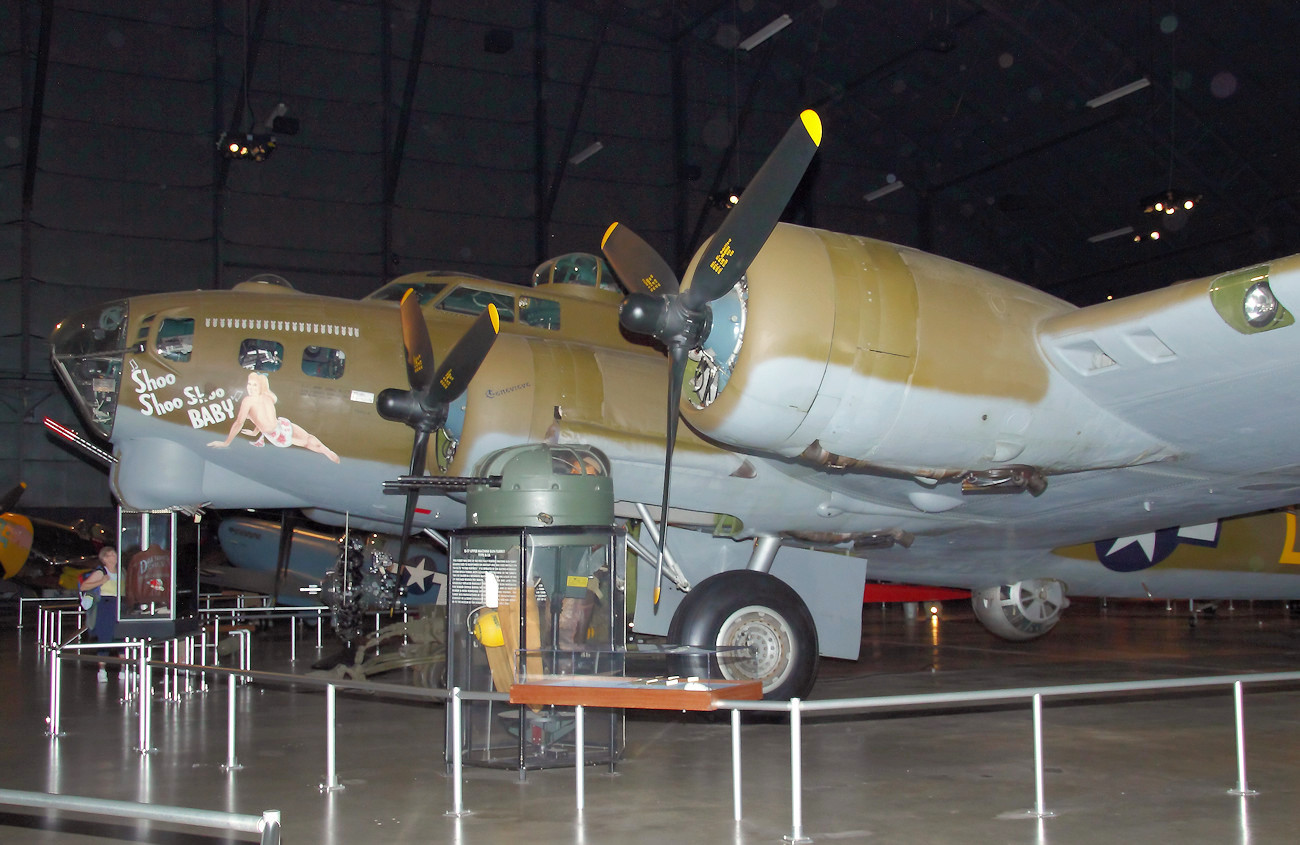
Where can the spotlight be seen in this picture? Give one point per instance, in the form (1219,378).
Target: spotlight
(725,200)
(249,146)
(1170,202)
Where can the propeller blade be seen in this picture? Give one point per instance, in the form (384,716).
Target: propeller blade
(419,450)
(415,339)
(676,375)
(642,269)
(750,223)
(11,498)
(463,361)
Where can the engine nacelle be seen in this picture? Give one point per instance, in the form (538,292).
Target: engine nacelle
(1021,611)
(850,351)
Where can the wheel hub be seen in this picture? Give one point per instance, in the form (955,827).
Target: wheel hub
(769,641)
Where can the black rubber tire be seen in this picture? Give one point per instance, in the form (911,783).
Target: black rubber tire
(775,619)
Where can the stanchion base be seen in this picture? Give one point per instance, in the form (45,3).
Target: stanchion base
(331,787)
(452,814)
(1028,814)
(227,767)
(1243,793)
(796,840)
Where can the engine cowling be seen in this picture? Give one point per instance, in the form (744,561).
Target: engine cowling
(1021,611)
(847,350)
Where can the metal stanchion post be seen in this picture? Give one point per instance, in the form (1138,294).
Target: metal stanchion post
(796,773)
(231,763)
(580,741)
(56,689)
(1242,788)
(1040,808)
(735,763)
(331,774)
(145,696)
(457,785)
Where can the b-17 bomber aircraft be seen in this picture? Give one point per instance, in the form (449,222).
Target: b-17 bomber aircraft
(853,409)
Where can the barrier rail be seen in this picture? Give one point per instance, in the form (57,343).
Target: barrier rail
(267,825)
(796,708)
(1035,695)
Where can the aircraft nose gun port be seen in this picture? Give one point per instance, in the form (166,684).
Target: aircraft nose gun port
(88,350)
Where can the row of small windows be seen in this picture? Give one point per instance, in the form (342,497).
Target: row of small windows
(176,343)
(281,326)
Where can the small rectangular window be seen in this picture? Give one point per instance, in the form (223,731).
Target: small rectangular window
(322,362)
(176,338)
(542,313)
(260,356)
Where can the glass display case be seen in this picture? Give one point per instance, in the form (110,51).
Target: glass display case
(158,593)
(521,602)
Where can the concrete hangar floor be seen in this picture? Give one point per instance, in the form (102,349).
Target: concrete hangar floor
(1134,768)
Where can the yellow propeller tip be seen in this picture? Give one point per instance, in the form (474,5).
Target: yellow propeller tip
(496,318)
(608,232)
(813,124)
(656,596)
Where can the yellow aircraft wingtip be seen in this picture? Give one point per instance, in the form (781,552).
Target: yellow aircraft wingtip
(813,124)
(608,232)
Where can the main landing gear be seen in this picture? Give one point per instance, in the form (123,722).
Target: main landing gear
(761,612)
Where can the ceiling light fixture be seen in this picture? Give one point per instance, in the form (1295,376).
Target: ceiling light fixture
(1170,202)
(579,158)
(765,33)
(883,191)
(1122,91)
(1113,233)
(257,147)
(725,200)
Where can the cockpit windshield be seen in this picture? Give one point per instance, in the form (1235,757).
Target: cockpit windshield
(394,291)
(576,268)
(88,349)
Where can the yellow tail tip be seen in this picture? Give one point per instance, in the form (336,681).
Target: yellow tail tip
(813,124)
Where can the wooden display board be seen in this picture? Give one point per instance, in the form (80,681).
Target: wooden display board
(635,693)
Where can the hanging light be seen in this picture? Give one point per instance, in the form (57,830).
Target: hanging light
(256,147)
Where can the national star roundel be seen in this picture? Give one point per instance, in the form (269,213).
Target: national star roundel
(418,575)
(1143,551)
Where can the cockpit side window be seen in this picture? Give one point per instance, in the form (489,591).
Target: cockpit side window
(260,356)
(467,300)
(176,338)
(540,313)
(323,362)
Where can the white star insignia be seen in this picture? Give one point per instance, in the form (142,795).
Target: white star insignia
(1146,542)
(417,577)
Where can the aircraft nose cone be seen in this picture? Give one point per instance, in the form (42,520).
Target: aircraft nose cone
(87,353)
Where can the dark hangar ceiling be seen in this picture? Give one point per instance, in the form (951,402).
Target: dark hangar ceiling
(975,114)
(981,110)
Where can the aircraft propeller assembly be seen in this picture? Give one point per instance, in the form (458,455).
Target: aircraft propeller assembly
(681,320)
(424,407)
